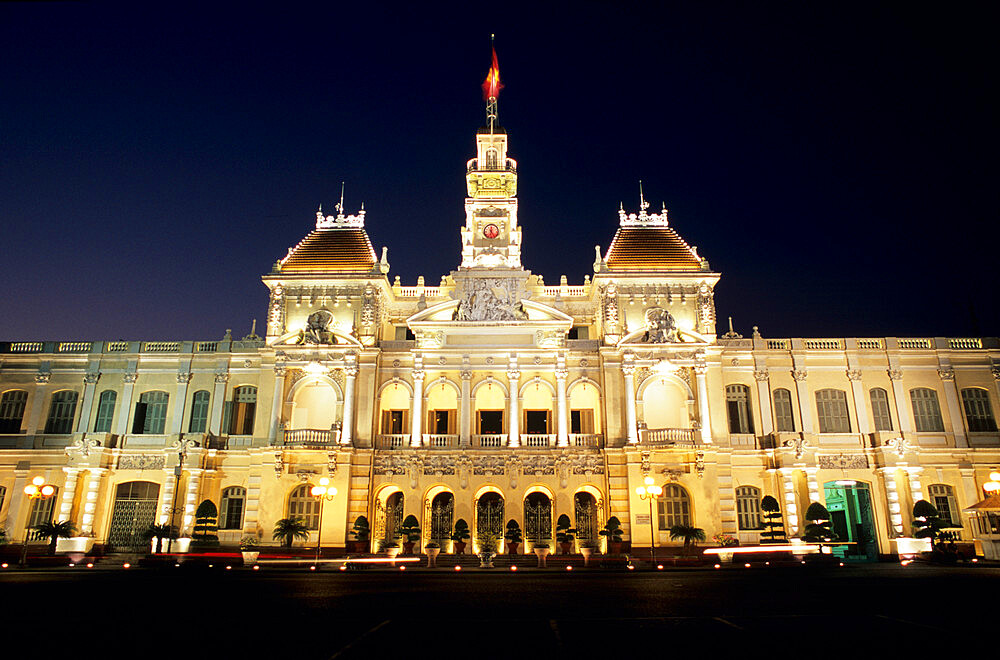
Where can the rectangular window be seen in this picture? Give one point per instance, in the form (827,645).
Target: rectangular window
(926,411)
(394,422)
(783,419)
(831,411)
(199,412)
(150,413)
(12,410)
(943,499)
(61,413)
(978,412)
(738,407)
(579,332)
(490,422)
(244,406)
(880,410)
(748,508)
(105,412)
(442,422)
(536,421)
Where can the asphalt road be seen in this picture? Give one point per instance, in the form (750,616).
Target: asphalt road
(853,611)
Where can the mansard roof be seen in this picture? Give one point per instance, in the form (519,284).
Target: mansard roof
(338,244)
(650,248)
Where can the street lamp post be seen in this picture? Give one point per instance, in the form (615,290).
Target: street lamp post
(36,490)
(324,491)
(650,491)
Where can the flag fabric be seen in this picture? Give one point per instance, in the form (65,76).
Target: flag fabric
(492,86)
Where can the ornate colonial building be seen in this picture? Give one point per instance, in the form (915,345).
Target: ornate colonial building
(493,396)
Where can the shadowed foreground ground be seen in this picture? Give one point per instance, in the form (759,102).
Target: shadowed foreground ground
(852,611)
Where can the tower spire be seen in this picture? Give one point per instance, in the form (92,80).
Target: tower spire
(340,206)
(491,88)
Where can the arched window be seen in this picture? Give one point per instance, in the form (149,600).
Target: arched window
(880,409)
(978,412)
(233,504)
(199,412)
(926,411)
(241,413)
(783,419)
(61,412)
(831,411)
(150,413)
(738,406)
(105,411)
(673,507)
(41,510)
(748,507)
(12,410)
(943,499)
(491,159)
(303,506)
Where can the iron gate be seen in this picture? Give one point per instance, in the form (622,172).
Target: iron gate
(489,518)
(130,521)
(586,518)
(441,515)
(538,521)
(393,516)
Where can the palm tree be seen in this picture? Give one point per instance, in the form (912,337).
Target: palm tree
(160,532)
(288,529)
(688,533)
(54,531)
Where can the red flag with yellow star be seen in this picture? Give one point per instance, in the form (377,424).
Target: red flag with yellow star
(492,86)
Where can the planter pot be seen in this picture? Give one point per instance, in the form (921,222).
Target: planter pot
(566,547)
(512,547)
(459,547)
(181,545)
(391,553)
(614,547)
(486,559)
(250,557)
(725,557)
(586,552)
(541,553)
(432,556)
(408,547)
(76,547)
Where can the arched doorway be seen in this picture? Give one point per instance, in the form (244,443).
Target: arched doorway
(850,506)
(489,517)
(442,512)
(314,406)
(133,512)
(388,516)
(587,523)
(537,518)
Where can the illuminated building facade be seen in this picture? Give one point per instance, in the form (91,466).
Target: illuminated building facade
(494,396)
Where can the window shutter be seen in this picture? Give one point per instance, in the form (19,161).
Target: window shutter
(227,417)
(139,421)
(587,421)
(386,422)
(452,422)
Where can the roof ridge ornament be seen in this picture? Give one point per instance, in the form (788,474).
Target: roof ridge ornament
(642,219)
(340,221)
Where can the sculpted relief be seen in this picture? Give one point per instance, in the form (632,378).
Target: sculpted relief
(661,328)
(490,299)
(317,330)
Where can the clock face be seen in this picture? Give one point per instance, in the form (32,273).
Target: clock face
(491,231)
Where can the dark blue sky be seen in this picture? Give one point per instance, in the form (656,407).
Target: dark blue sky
(836,163)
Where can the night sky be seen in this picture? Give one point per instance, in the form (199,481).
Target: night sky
(835,162)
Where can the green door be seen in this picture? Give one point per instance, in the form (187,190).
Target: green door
(850,507)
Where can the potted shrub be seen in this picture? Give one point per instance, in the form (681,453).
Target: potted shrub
(565,533)
(362,532)
(587,549)
(248,548)
(410,532)
(818,524)
(512,536)
(725,541)
(206,526)
(432,550)
(287,530)
(157,533)
(774,528)
(487,550)
(390,547)
(460,535)
(541,550)
(613,531)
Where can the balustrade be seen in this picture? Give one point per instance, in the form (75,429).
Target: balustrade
(585,439)
(538,439)
(309,437)
(668,436)
(392,440)
(492,440)
(440,440)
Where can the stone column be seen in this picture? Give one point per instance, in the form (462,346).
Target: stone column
(631,430)
(764,401)
(513,409)
(562,412)
(87,405)
(892,500)
(68,493)
(191,497)
(417,412)
(164,514)
(89,514)
(38,400)
(701,382)
(15,525)
(947,375)
(812,484)
(916,490)
(791,504)
(279,396)
(218,402)
(805,405)
(125,406)
(347,427)
(860,407)
(180,402)
(903,417)
(465,416)
(252,513)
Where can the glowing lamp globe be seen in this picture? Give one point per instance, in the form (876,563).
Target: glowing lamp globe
(995,476)
(47,490)
(38,481)
(31,490)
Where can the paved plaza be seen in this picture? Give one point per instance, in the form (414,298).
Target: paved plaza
(191,612)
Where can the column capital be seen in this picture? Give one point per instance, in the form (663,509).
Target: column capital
(280,370)
(761,375)
(222,377)
(351,370)
(799,375)
(130,377)
(854,374)
(183,377)
(418,374)
(895,374)
(91,378)
(561,374)
(946,373)
(513,374)
(466,375)
(628,370)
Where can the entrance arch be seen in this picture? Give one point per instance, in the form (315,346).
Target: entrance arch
(314,405)
(388,514)
(852,518)
(588,516)
(489,517)
(132,514)
(538,518)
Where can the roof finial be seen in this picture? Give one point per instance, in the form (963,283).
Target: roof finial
(643,204)
(340,206)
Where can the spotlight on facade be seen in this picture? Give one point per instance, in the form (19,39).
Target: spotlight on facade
(718,566)
(71,564)
(748,565)
(3,565)
(313,567)
(229,568)
(90,565)
(458,568)
(126,565)
(343,567)
(569,568)
(513,568)
(256,568)
(402,568)
(659,567)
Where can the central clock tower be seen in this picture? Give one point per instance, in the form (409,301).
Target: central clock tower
(491,237)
